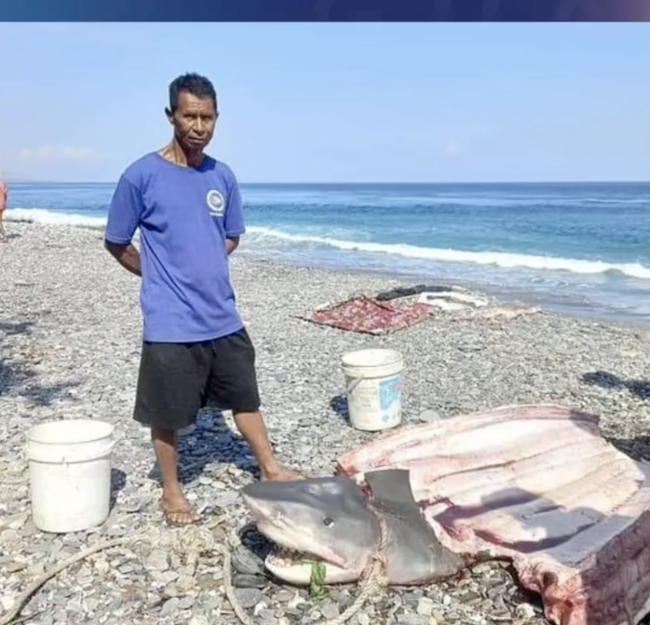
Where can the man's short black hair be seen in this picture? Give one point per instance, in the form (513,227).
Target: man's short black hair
(194,84)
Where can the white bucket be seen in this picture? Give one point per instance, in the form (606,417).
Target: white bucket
(373,381)
(70,474)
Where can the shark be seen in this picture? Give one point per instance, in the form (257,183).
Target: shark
(334,521)
(536,485)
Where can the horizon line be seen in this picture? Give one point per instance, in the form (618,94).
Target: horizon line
(366,182)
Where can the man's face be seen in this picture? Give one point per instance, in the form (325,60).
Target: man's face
(194,121)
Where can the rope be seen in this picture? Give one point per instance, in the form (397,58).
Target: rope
(373,577)
(191,541)
(230,590)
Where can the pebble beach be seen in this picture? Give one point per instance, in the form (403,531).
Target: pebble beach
(69,348)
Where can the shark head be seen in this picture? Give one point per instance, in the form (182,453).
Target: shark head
(316,519)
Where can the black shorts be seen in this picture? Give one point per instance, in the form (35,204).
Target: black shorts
(176,380)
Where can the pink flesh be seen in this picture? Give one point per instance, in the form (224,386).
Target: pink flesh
(540,485)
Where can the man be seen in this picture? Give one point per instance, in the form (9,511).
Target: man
(188,209)
(4,192)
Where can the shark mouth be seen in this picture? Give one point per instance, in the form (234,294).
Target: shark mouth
(298,567)
(295,566)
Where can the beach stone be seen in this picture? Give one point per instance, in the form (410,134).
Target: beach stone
(425,606)
(284,596)
(226,500)
(208,603)
(248,597)
(15,567)
(170,607)
(249,581)
(266,616)
(430,416)
(167,577)
(186,603)
(9,536)
(17,521)
(412,619)
(186,582)
(330,610)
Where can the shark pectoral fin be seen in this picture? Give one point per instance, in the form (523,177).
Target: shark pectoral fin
(392,485)
(415,555)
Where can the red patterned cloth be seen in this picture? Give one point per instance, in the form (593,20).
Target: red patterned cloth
(365,314)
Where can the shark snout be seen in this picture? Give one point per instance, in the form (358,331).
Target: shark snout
(264,499)
(257,507)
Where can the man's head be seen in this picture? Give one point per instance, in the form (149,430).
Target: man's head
(192,111)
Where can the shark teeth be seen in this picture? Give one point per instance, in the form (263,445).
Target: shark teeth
(282,556)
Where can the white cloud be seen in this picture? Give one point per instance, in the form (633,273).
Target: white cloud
(452,148)
(57,153)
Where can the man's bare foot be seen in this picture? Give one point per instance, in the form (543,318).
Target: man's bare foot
(280,475)
(178,511)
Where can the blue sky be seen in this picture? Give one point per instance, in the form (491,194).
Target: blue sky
(335,102)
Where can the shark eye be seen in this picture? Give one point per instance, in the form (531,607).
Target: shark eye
(327,522)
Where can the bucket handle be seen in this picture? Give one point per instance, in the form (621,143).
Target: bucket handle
(350,387)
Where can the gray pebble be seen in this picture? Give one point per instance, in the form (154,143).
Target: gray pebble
(248,597)
(284,596)
(249,581)
(329,610)
(266,616)
(429,416)
(425,606)
(186,603)
(412,619)
(170,607)
(226,500)
(157,561)
(245,562)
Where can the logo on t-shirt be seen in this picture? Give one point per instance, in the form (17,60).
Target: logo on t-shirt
(216,203)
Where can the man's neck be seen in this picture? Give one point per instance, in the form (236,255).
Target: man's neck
(175,153)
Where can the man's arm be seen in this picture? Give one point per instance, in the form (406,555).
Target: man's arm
(4,193)
(123,220)
(127,255)
(232,243)
(234,217)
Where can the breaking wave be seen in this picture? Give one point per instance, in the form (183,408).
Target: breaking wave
(500,259)
(53,218)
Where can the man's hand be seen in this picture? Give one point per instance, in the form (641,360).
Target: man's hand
(127,255)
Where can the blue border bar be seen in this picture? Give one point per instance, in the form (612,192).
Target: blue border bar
(325,10)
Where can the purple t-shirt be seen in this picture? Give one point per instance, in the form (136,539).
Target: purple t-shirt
(184,216)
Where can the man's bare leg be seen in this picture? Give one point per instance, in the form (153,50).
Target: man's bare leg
(176,507)
(251,426)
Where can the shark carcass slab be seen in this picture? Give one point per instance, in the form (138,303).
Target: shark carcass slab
(537,484)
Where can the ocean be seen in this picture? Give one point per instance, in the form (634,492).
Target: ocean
(576,248)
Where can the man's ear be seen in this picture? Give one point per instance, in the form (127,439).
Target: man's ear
(170,115)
